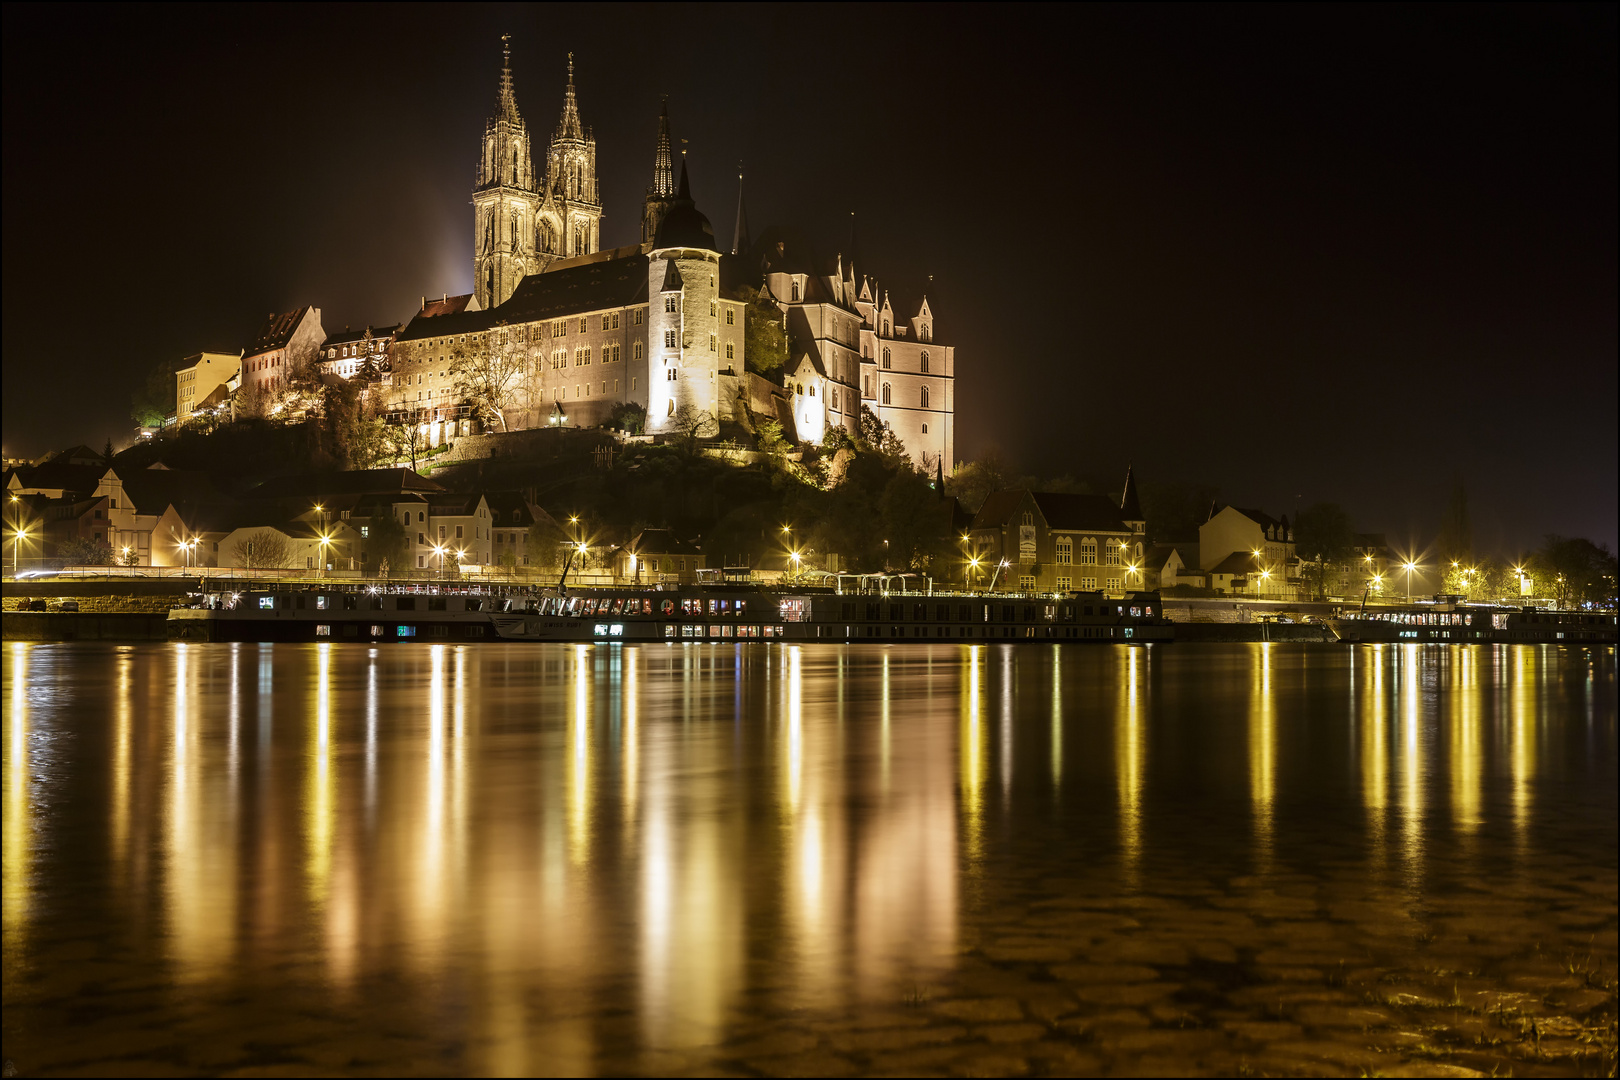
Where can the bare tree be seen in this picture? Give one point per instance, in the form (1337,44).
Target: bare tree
(489,376)
(694,425)
(265,549)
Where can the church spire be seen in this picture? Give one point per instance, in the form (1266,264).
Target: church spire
(663,185)
(740,240)
(506,108)
(569,127)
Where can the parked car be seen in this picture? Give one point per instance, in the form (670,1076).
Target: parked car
(69,605)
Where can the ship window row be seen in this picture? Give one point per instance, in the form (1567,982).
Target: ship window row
(402,631)
(1054,612)
(723,630)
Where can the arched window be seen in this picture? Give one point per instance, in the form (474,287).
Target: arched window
(925,361)
(886,394)
(886,364)
(925,397)
(795,292)
(885,327)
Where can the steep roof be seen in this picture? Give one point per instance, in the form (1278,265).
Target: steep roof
(446,305)
(346,335)
(276,330)
(588,286)
(1094,513)
(152,491)
(1239,562)
(1130,507)
(359,482)
(1066,511)
(659,542)
(512,508)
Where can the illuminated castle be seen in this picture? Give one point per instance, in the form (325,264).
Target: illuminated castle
(565,333)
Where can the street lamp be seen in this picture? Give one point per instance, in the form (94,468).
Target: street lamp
(438,549)
(1410,566)
(973,569)
(325,541)
(19,533)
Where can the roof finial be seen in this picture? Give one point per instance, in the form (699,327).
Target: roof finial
(569,128)
(507,109)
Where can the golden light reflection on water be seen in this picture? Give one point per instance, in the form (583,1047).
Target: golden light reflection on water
(1467,764)
(1374,750)
(1262,755)
(527,838)
(972,759)
(1129,762)
(18,824)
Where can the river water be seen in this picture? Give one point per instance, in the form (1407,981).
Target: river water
(772,859)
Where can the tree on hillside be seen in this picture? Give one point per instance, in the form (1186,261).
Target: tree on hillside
(1456,542)
(1575,571)
(489,375)
(265,549)
(154,399)
(765,344)
(386,543)
(630,417)
(694,425)
(880,438)
(973,481)
(1324,539)
(914,523)
(1175,510)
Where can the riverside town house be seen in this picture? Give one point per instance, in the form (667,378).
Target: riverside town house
(561,332)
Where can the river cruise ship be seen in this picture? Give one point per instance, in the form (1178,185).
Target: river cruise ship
(714,612)
(1448,619)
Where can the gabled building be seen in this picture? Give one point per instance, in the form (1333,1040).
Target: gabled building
(197,383)
(285,345)
(1037,541)
(655,556)
(358,354)
(512,519)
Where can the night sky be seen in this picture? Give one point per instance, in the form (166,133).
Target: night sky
(1300,254)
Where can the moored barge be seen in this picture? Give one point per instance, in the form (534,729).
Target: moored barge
(715,612)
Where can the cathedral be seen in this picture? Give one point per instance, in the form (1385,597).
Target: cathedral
(559,331)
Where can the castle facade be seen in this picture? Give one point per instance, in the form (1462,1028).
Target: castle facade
(559,331)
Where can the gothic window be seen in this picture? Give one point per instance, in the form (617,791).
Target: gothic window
(669,302)
(835,397)
(795,292)
(731,317)
(925,361)
(1065,551)
(886,393)
(712,307)
(711,343)
(885,327)
(886,363)
(925,397)
(637,353)
(1088,551)
(925,429)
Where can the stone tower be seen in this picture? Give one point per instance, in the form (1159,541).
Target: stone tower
(661,195)
(506,199)
(571,219)
(683,276)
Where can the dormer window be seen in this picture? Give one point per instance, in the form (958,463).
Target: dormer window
(795,292)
